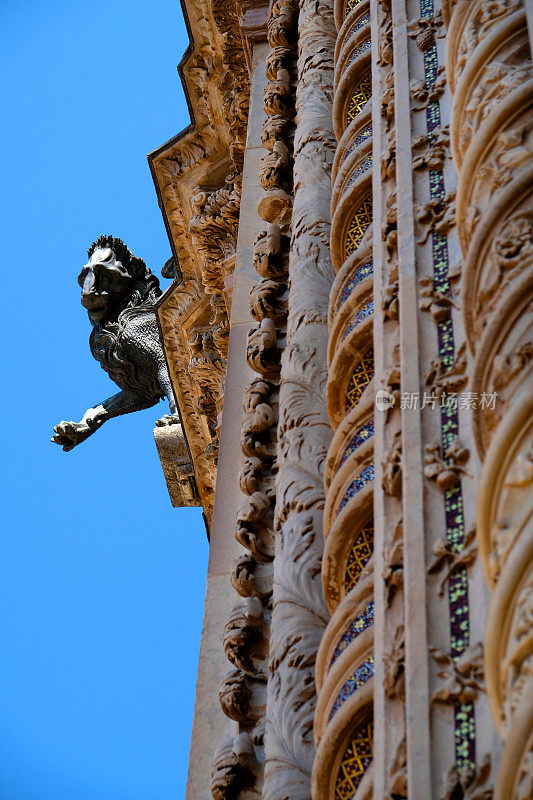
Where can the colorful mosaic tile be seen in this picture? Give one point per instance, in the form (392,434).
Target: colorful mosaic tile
(366,311)
(354,682)
(361,137)
(361,49)
(358,25)
(361,435)
(350,5)
(465,732)
(358,171)
(362,375)
(363,621)
(359,556)
(355,761)
(360,273)
(360,223)
(360,97)
(365,477)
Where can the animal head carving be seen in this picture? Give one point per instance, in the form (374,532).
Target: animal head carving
(114,279)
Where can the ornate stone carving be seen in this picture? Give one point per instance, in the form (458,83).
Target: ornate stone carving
(423,95)
(262,348)
(446,472)
(447,381)
(436,216)
(398,774)
(425,29)
(394,680)
(432,153)
(119,293)
(470,784)
(464,676)
(392,468)
(447,559)
(238,696)
(235,769)
(299,613)
(251,578)
(437,303)
(393,559)
(244,642)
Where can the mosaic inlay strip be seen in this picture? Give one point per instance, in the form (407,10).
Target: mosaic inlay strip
(358,25)
(366,311)
(361,49)
(360,97)
(358,171)
(361,221)
(354,682)
(365,477)
(359,556)
(360,273)
(355,761)
(361,137)
(465,731)
(361,435)
(362,375)
(363,621)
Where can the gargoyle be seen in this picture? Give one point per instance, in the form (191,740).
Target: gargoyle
(119,293)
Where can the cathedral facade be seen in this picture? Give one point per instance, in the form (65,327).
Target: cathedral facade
(349,338)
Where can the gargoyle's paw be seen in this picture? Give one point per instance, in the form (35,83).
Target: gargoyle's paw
(68,434)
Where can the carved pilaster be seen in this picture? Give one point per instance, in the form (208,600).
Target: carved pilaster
(299,613)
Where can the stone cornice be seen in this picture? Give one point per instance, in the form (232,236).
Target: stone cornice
(197,176)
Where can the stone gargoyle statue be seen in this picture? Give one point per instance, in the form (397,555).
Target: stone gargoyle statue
(119,293)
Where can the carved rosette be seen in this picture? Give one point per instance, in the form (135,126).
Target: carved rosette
(489,67)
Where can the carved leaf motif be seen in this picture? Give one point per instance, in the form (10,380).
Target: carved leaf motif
(392,468)
(244,643)
(394,680)
(393,570)
(446,472)
(235,769)
(464,678)
(470,784)
(448,560)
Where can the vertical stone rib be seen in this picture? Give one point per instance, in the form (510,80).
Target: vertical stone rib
(299,613)
(417,699)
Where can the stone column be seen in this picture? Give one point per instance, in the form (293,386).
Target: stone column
(299,613)
(210,726)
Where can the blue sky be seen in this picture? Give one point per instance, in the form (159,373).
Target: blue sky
(102,582)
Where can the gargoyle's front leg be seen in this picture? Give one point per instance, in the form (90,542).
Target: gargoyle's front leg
(69,434)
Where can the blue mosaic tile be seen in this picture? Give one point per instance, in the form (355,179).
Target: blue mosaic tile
(361,49)
(358,171)
(360,273)
(359,24)
(354,682)
(365,477)
(361,435)
(366,311)
(361,137)
(363,621)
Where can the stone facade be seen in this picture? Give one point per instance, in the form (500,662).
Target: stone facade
(349,340)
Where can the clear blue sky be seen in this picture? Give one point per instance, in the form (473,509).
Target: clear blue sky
(102,582)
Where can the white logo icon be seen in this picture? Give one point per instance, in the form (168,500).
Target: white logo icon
(384,400)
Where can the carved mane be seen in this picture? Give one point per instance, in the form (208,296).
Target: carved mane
(106,341)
